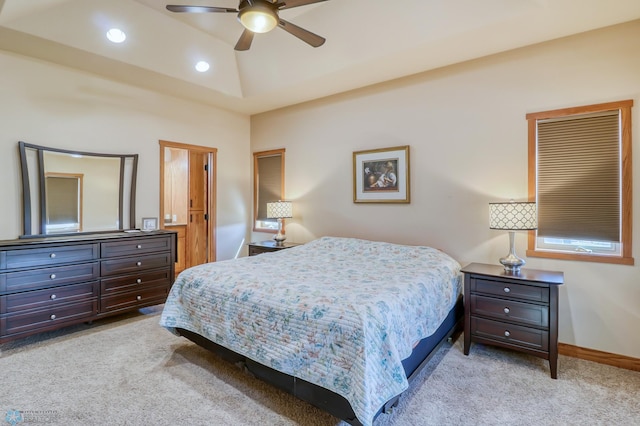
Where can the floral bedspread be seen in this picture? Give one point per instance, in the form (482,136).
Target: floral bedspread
(341,313)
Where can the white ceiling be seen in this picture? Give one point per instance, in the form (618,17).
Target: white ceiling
(368,41)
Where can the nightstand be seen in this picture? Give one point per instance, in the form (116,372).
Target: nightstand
(515,311)
(267,246)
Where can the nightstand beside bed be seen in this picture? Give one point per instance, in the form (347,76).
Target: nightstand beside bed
(515,311)
(268,246)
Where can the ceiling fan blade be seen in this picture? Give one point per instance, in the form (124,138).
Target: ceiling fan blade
(244,42)
(304,35)
(199,9)
(288,4)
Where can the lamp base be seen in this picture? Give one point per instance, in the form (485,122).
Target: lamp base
(279,237)
(511,262)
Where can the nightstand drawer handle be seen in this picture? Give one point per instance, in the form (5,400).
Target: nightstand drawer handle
(52,276)
(52,317)
(507,310)
(53,297)
(507,290)
(138,297)
(139,246)
(52,255)
(139,263)
(507,333)
(138,281)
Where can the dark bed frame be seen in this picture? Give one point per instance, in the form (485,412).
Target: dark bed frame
(323,398)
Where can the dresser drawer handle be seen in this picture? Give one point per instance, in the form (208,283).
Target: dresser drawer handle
(138,297)
(52,276)
(507,333)
(507,310)
(53,297)
(507,290)
(139,246)
(52,317)
(139,263)
(138,281)
(52,255)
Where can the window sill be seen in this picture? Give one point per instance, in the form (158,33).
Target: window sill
(581,257)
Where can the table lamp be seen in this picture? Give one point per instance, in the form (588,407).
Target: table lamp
(279,210)
(513,216)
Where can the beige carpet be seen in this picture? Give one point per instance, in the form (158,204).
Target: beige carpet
(130,371)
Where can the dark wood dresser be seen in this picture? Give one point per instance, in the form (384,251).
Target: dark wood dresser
(52,282)
(515,311)
(267,246)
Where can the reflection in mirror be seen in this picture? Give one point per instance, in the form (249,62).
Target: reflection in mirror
(176,179)
(69,192)
(64,202)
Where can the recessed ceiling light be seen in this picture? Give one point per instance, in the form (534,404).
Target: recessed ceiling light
(202,66)
(116,35)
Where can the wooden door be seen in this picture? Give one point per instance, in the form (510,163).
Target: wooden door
(198,162)
(197,242)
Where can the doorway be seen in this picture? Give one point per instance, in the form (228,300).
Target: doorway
(187,200)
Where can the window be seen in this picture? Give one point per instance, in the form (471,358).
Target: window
(580,177)
(268,186)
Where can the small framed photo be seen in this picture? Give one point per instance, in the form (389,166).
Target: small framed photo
(381,175)
(149,223)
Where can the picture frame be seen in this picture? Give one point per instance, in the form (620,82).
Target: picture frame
(381,175)
(149,223)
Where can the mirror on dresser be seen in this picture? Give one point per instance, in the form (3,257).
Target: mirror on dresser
(68,192)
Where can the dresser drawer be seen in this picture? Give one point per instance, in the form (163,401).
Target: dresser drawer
(510,311)
(521,336)
(133,299)
(48,277)
(28,258)
(46,298)
(135,247)
(134,264)
(136,281)
(510,290)
(49,318)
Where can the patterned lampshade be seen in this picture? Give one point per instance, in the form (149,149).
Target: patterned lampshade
(513,216)
(279,210)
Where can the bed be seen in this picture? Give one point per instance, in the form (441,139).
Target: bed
(342,323)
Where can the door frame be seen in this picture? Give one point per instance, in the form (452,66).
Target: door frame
(211,195)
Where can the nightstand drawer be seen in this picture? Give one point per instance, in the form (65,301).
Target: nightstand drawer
(510,290)
(510,333)
(511,311)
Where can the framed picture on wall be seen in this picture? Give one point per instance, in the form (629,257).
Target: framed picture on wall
(149,223)
(381,175)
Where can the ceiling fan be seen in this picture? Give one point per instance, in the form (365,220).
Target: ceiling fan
(260,16)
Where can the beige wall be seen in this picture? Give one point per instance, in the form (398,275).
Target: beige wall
(45,104)
(467,131)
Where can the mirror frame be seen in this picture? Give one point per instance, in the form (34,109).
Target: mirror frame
(41,205)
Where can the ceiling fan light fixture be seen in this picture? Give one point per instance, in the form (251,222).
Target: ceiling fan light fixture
(258,18)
